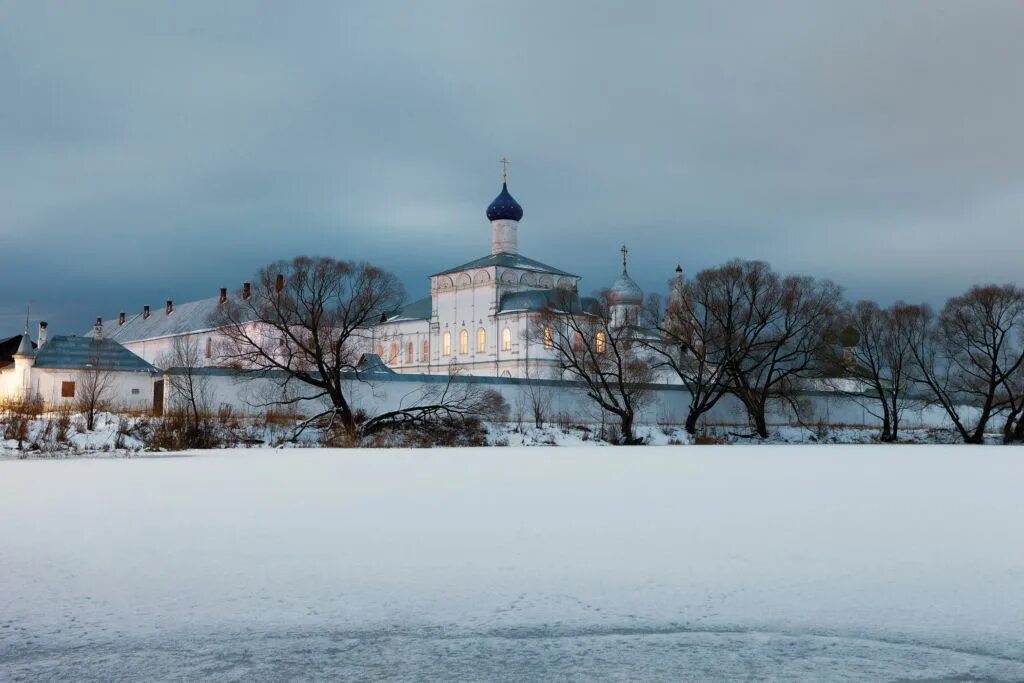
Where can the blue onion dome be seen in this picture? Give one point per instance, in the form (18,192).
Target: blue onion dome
(504,207)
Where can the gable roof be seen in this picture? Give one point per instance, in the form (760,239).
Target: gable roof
(507,261)
(421,309)
(78,353)
(186,318)
(537,300)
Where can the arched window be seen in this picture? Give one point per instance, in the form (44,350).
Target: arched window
(464,342)
(379,350)
(549,338)
(506,339)
(393,358)
(577,342)
(446,344)
(481,340)
(601,343)
(410,353)
(209,347)
(426,351)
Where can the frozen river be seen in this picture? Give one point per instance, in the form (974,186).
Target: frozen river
(800,563)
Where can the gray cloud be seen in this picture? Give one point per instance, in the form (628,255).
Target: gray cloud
(153,151)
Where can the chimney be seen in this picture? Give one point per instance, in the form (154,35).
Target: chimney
(98,328)
(120,318)
(170,307)
(246,290)
(279,283)
(223,295)
(145,312)
(41,339)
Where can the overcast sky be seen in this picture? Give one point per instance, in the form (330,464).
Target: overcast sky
(164,149)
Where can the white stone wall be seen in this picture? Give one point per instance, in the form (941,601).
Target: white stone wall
(668,404)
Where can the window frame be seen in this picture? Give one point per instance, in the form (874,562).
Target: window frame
(506,339)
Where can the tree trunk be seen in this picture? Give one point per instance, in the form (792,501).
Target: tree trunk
(887,430)
(627,429)
(757,413)
(691,422)
(1018,432)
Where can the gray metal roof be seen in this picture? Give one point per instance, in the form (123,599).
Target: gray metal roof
(507,261)
(25,347)
(78,353)
(373,364)
(421,309)
(536,300)
(188,317)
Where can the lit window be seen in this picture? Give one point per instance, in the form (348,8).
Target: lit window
(601,342)
(463,342)
(426,350)
(446,344)
(393,358)
(481,340)
(379,350)
(549,338)
(577,341)
(506,339)
(410,351)
(67,389)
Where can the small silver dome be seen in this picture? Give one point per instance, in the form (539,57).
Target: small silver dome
(625,291)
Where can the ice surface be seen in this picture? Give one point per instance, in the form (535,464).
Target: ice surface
(683,563)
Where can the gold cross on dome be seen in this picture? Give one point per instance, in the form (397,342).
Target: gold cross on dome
(625,253)
(504,169)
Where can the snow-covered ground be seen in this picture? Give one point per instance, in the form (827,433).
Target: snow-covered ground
(807,563)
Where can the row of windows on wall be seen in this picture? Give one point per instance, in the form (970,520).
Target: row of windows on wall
(395,355)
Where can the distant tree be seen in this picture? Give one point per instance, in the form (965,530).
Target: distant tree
(536,398)
(695,339)
(189,388)
(767,333)
(971,356)
(93,388)
(607,360)
(882,359)
(306,321)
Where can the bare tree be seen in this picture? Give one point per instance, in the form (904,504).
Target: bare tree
(693,340)
(93,388)
(535,398)
(453,399)
(304,321)
(881,359)
(608,360)
(188,386)
(771,332)
(971,356)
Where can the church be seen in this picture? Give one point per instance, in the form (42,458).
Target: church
(477,318)
(475,321)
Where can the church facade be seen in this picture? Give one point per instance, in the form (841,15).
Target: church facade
(479,317)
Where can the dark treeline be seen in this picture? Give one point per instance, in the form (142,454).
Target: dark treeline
(741,329)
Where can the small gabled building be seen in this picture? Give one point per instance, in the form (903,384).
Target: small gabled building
(58,370)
